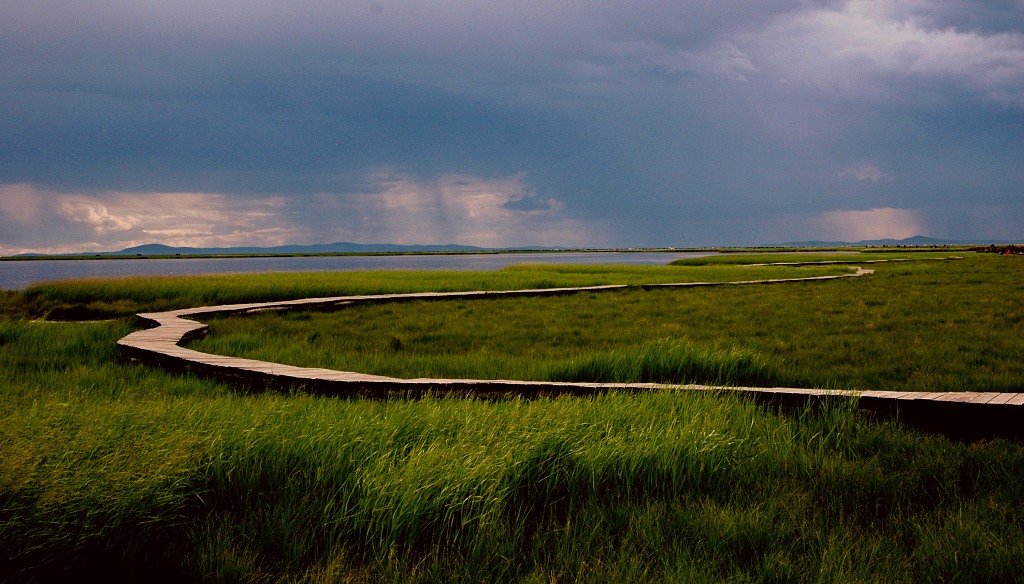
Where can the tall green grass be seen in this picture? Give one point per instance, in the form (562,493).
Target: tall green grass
(113,297)
(617,488)
(915,326)
(117,471)
(836,256)
(664,362)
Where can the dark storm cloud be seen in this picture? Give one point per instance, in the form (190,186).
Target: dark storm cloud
(636,124)
(279,134)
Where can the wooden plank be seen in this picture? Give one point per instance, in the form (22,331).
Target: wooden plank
(985,397)
(883,394)
(892,394)
(958,396)
(913,395)
(961,397)
(173,326)
(1016,400)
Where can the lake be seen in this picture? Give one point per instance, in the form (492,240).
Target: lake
(18,275)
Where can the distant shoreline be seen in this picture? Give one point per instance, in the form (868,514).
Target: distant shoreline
(229,255)
(272,254)
(20,273)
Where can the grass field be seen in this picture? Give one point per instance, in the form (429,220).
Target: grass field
(914,326)
(115,297)
(127,473)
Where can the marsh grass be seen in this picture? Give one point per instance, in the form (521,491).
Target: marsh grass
(664,362)
(617,488)
(915,326)
(125,473)
(87,298)
(805,257)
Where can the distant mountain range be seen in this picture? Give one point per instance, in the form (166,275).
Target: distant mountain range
(915,241)
(156,249)
(338,247)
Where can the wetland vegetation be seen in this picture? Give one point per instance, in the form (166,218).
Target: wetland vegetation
(124,472)
(901,329)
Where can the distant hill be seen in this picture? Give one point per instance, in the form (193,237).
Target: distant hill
(339,247)
(156,249)
(915,241)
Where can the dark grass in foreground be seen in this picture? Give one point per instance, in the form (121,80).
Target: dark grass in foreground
(125,473)
(171,478)
(914,326)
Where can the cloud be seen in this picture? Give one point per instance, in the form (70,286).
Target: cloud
(406,209)
(846,225)
(589,122)
(185,219)
(392,207)
(20,203)
(97,215)
(723,59)
(641,60)
(531,203)
(47,221)
(868,49)
(858,225)
(865,170)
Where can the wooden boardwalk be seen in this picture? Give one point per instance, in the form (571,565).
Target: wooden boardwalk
(964,414)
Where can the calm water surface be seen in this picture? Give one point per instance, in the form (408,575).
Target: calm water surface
(18,275)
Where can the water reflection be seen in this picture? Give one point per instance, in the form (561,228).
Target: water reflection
(18,275)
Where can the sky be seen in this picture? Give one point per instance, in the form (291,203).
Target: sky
(598,123)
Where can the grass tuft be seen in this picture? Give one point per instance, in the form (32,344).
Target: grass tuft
(668,362)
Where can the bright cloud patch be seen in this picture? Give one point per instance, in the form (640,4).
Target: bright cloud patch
(453,209)
(180,219)
(394,208)
(856,49)
(97,215)
(114,220)
(856,225)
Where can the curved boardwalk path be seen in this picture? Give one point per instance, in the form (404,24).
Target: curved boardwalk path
(964,414)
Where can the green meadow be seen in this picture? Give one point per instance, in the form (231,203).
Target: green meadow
(899,330)
(127,473)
